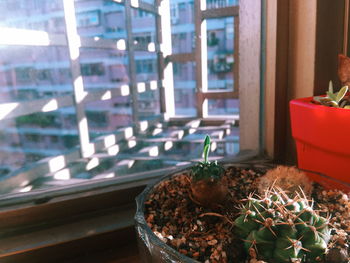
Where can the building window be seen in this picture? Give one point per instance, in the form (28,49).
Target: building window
(24,74)
(88,19)
(32,137)
(97,119)
(43,74)
(54,139)
(182,6)
(145,66)
(95,69)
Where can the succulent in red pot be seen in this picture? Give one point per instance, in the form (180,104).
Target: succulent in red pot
(208,184)
(322,133)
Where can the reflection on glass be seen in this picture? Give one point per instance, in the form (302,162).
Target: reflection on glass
(223,107)
(28,73)
(185,85)
(220,43)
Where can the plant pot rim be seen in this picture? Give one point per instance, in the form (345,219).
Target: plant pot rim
(307,102)
(141,221)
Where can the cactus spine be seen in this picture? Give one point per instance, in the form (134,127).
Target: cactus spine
(281,229)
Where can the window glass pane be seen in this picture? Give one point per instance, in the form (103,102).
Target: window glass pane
(104,68)
(104,19)
(146,66)
(148,103)
(33,15)
(221,3)
(143,24)
(182,26)
(220,44)
(147,83)
(107,116)
(148,1)
(28,73)
(185,88)
(186,149)
(143,31)
(223,107)
(30,138)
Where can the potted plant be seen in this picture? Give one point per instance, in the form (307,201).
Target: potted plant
(267,215)
(208,185)
(321,131)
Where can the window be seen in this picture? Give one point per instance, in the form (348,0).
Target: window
(88,19)
(95,92)
(44,74)
(32,137)
(24,74)
(95,69)
(96,119)
(89,118)
(145,66)
(182,6)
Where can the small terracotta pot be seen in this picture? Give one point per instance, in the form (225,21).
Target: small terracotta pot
(209,192)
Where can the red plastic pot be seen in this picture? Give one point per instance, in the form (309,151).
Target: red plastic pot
(322,136)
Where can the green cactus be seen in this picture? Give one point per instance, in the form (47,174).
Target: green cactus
(334,99)
(281,229)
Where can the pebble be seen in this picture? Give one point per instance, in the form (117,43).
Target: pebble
(212,242)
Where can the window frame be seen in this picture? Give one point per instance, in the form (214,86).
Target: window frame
(164,57)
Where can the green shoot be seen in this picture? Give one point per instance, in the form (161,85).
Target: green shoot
(206,169)
(206,148)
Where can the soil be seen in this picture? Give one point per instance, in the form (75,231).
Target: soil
(207,234)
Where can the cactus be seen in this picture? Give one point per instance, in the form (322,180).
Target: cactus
(208,185)
(289,178)
(334,99)
(281,229)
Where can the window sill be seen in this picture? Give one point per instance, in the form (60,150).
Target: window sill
(49,236)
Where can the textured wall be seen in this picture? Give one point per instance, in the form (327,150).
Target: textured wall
(249,72)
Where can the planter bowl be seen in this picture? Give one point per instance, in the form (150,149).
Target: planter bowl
(151,248)
(322,137)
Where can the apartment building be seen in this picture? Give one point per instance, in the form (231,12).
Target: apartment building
(31,73)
